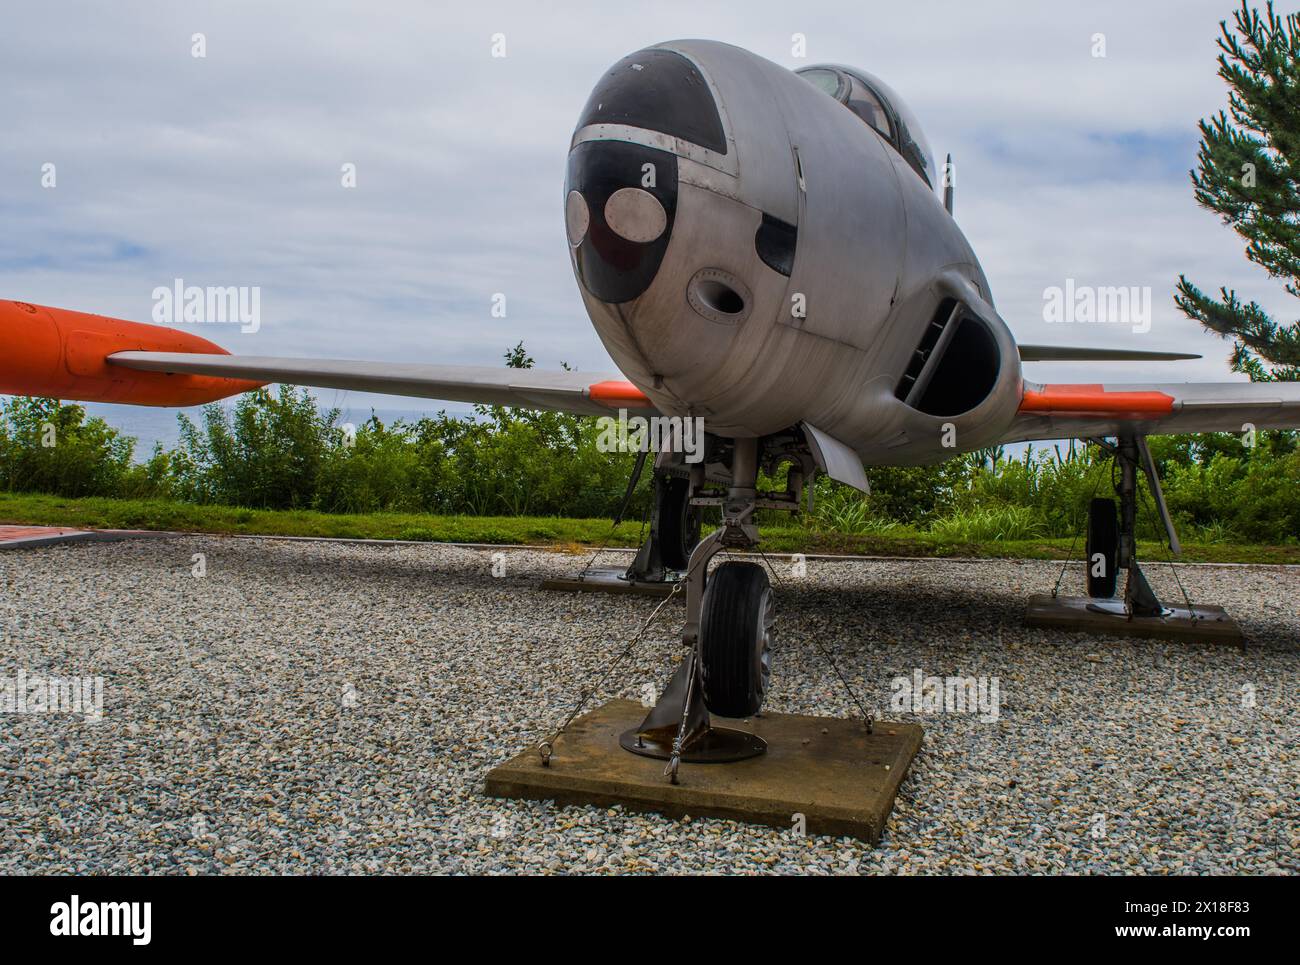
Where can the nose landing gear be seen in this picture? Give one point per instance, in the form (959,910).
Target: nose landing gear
(726,673)
(730,618)
(840,775)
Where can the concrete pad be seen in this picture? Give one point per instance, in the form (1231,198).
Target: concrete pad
(842,779)
(27,537)
(1202,623)
(609,579)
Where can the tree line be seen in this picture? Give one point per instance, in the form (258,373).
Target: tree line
(278,450)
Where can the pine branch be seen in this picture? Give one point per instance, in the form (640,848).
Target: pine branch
(1248,172)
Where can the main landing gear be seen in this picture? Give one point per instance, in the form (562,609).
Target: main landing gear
(674,531)
(1111,547)
(1112,536)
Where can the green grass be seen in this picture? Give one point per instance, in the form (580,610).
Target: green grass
(160,514)
(994,524)
(953,540)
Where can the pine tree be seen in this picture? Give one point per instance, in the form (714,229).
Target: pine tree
(1249,173)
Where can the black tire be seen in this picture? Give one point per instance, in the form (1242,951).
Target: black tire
(736,634)
(1103,539)
(679,523)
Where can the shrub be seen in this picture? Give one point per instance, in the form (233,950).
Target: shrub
(53,448)
(266,452)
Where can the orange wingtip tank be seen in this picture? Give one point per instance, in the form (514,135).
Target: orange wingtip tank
(62,354)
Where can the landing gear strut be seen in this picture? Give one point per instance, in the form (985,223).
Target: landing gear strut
(1112,536)
(729,631)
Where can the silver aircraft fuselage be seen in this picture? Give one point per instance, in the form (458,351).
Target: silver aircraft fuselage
(751,251)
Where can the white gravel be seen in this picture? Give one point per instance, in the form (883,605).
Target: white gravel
(313,707)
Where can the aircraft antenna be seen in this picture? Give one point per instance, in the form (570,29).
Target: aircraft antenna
(948,179)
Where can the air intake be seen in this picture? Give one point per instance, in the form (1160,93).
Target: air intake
(955,366)
(916,364)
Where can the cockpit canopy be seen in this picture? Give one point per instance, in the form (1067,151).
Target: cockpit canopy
(874,102)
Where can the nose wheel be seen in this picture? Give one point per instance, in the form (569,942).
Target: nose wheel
(735,642)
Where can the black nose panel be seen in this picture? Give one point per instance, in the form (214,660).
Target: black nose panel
(610,266)
(658,90)
(776,242)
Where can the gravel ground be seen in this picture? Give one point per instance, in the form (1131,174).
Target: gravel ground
(314,707)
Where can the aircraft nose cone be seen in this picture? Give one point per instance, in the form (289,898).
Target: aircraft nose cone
(620,201)
(621,185)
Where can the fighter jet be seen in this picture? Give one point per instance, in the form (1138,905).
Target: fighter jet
(773,252)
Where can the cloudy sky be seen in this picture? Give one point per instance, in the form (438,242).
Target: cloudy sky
(225,169)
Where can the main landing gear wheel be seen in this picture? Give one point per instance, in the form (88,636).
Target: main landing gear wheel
(679,523)
(1103,542)
(735,640)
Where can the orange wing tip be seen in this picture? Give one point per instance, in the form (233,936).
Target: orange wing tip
(616,395)
(1095,400)
(64,354)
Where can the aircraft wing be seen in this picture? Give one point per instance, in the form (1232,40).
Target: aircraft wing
(584,393)
(91,358)
(1064,411)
